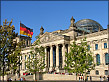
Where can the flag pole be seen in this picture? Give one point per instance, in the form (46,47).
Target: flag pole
(19,56)
(19,29)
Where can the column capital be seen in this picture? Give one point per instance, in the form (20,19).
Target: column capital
(57,45)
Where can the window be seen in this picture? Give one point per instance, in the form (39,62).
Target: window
(106,59)
(25,65)
(25,57)
(88,47)
(96,46)
(88,72)
(21,57)
(105,45)
(29,56)
(97,72)
(106,72)
(33,55)
(98,59)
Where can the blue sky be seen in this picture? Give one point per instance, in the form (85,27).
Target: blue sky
(52,15)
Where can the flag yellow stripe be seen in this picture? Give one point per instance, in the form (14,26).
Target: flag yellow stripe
(24,33)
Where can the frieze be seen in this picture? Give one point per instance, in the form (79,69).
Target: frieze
(49,37)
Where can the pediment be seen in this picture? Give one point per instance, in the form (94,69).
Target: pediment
(49,37)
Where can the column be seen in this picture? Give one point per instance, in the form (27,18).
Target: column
(45,59)
(51,57)
(63,55)
(57,58)
(45,56)
(28,43)
(25,42)
(23,61)
(68,48)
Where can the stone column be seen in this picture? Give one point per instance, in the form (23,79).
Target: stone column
(23,61)
(25,42)
(46,56)
(68,48)
(63,55)
(45,59)
(28,43)
(57,58)
(51,57)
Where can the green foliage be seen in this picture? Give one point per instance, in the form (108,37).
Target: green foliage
(9,49)
(36,62)
(13,59)
(79,59)
(7,44)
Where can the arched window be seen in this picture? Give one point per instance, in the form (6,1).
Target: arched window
(88,47)
(97,72)
(98,59)
(96,46)
(105,45)
(106,59)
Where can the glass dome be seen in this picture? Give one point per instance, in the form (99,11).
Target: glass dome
(89,25)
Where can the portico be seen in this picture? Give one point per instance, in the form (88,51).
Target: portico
(55,56)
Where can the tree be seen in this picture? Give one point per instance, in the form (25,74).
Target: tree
(14,58)
(7,45)
(79,60)
(36,62)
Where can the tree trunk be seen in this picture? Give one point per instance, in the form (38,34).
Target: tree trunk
(35,77)
(76,76)
(3,68)
(19,66)
(3,73)
(85,76)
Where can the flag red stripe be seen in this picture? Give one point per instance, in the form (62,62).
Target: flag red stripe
(26,30)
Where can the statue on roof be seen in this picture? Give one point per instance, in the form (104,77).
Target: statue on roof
(72,22)
(41,30)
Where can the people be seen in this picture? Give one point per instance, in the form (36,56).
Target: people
(10,79)
(85,78)
(100,78)
(104,78)
(90,78)
(79,78)
(108,77)
(21,79)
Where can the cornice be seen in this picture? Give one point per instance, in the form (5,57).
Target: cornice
(93,34)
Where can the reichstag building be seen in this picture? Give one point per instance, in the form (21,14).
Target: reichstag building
(58,42)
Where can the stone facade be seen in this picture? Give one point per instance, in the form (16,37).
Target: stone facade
(58,42)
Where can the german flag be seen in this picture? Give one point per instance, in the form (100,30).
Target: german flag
(25,30)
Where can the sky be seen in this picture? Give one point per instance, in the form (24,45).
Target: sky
(52,15)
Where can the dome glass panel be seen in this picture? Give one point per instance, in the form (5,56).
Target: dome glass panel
(89,25)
